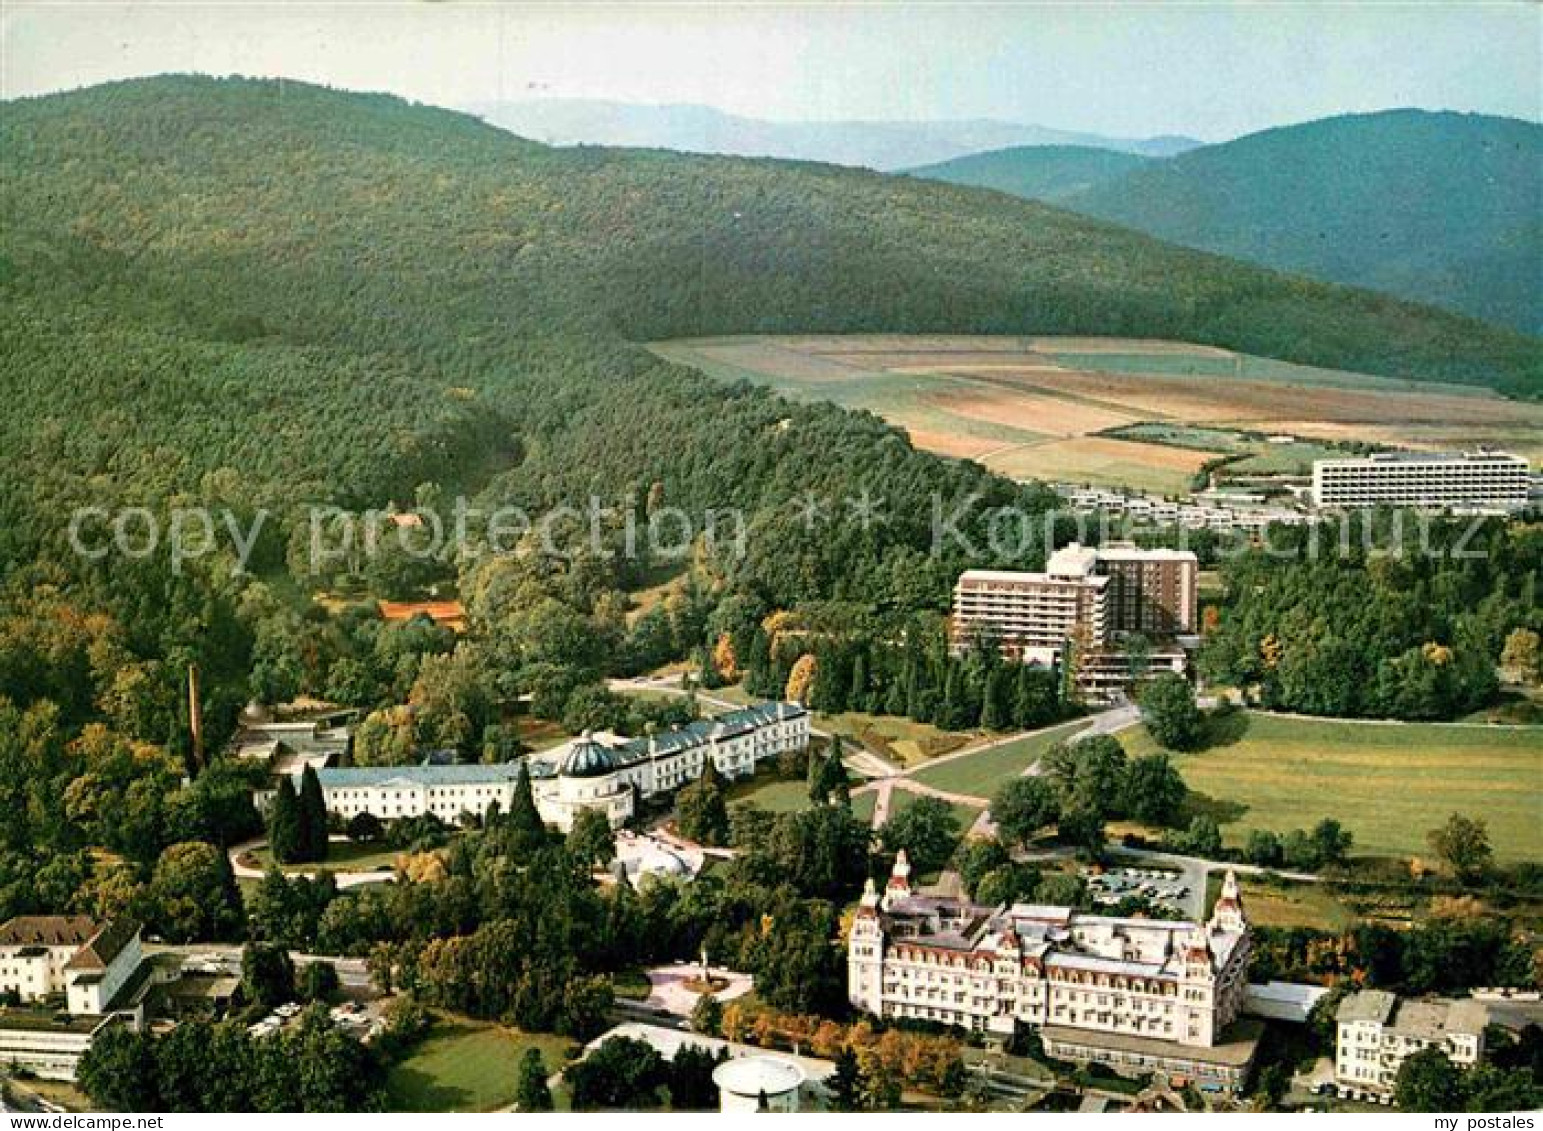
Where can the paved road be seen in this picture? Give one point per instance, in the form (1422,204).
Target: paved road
(1105,722)
(352,973)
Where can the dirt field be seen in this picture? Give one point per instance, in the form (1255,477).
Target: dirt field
(1033,408)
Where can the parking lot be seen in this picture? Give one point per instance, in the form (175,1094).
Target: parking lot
(1161,887)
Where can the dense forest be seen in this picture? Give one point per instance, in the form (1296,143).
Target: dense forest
(264,296)
(317,296)
(1437,208)
(1325,627)
(1051,173)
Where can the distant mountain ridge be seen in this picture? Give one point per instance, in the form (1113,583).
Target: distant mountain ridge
(886,146)
(1051,173)
(1441,208)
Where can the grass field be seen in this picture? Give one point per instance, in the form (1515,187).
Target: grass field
(539,734)
(771,794)
(1255,454)
(1389,783)
(342,856)
(899,739)
(1286,904)
(466,1065)
(789,796)
(978,775)
(1035,408)
(900,800)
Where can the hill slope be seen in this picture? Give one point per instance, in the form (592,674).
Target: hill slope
(1439,208)
(702,129)
(1051,173)
(286,294)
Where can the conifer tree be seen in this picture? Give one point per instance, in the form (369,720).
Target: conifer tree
(284,832)
(312,817)
(524,818)
(857,696)
(844,1085)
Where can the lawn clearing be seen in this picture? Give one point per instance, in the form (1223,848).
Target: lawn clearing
(775,795)
(539,734)
(342,856)
(1388,783)
(898,739)
(979,775)
(1286,904)
(466,1065)
(902,799)
(789,796)
(631,984)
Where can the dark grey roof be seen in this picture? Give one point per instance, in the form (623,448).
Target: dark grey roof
(104,946)
(349,777)
(587,758)
(704,731)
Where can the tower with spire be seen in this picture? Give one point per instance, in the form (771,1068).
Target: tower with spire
(865,953)
(899,886)
(1228,914)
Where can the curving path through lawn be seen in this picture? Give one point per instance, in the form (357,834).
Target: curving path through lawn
(1105,722)
(244,871)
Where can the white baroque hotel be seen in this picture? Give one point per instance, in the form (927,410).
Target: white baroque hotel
(1135,994)
(596,771)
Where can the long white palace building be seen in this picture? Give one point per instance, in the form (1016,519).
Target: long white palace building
(1135,994)
(596,771)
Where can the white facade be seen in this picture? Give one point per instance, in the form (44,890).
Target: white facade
(1458,481)
(47,1047)
(1028,611)
(598,771)
(103,967)
(34,951)
(593,774)
(1376,1031)
(995,969)
(71,956)
(1086,601)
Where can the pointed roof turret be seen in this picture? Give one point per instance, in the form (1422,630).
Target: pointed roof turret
(1228,913)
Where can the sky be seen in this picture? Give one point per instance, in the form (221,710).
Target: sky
(1208,70)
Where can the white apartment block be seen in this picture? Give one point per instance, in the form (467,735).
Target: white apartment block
(1377,1030)
(1085,594)
(1034,612)
(1438,480)
(1086,600)
(596,771)
(1131,993)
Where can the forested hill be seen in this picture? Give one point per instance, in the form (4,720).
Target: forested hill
(1438,208)
(281,293)
(1052,173)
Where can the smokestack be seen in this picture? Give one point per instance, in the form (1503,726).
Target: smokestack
(195,717)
